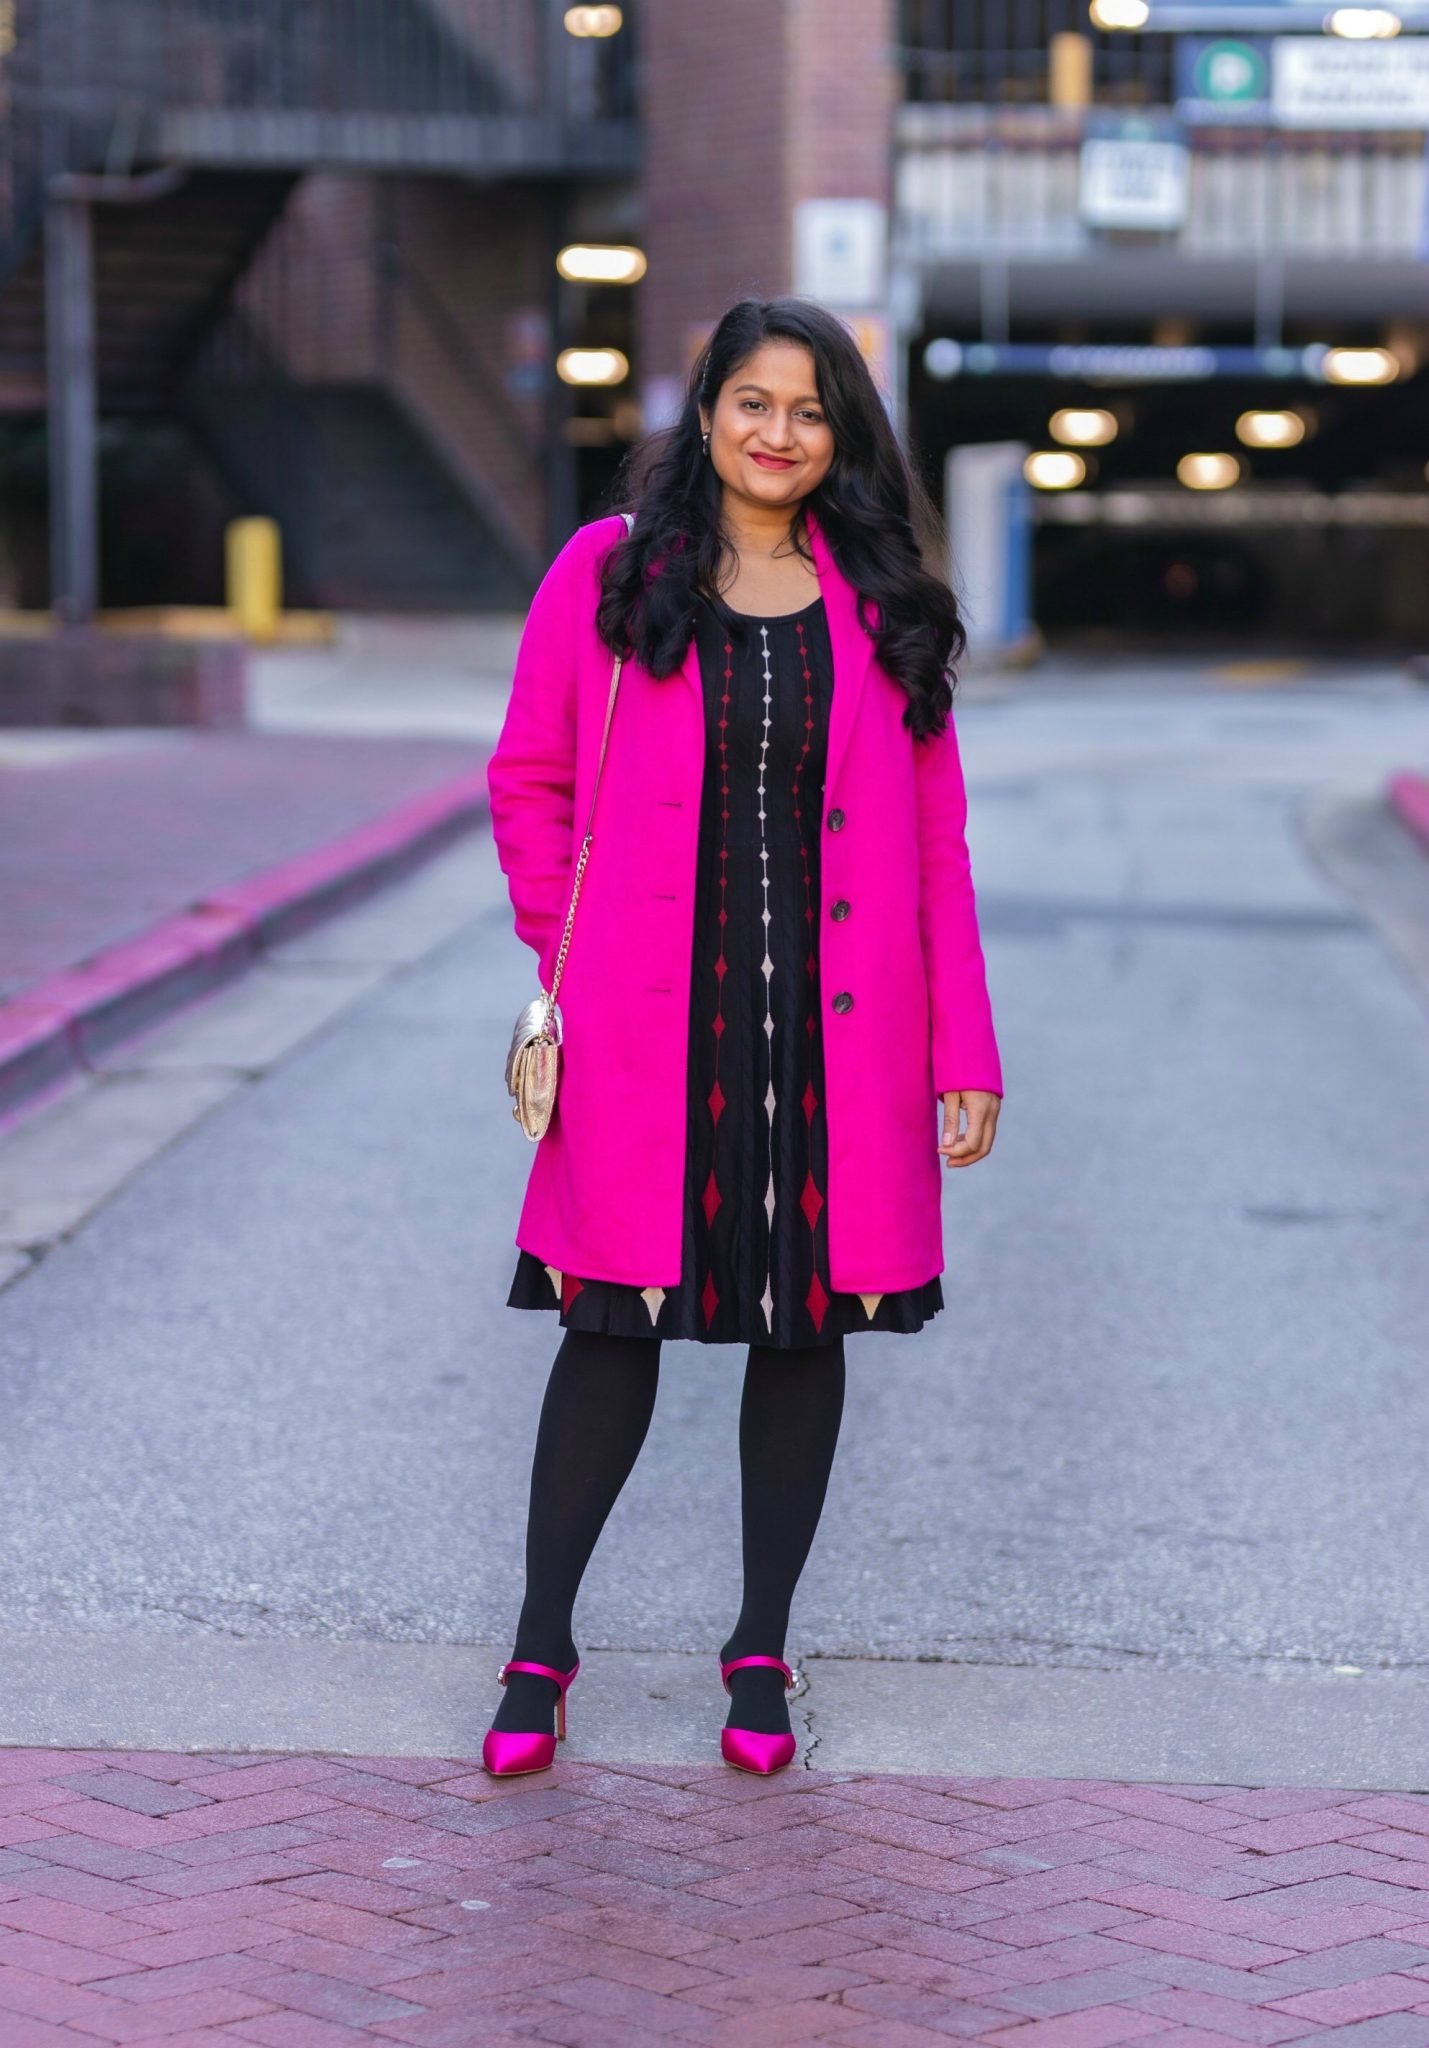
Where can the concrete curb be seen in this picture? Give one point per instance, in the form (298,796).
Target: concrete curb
(130,1689)
(1409,798)
(50,1031)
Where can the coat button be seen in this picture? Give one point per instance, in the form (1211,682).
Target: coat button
(843,1001)
(836,819)
(840,910)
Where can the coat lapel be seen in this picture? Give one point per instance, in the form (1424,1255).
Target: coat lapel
(851,646)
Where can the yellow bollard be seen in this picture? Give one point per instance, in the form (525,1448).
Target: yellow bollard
(254,565)
(1069,79)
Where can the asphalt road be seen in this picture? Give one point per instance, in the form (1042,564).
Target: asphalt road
(1174,1414)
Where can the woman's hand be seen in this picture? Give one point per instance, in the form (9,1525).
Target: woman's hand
(967,1147)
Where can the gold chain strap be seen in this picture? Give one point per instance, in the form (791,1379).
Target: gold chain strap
(585,850)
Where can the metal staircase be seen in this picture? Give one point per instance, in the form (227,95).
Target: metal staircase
(180,128)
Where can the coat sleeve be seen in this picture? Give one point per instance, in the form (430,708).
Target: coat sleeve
(531,775)
(964,1045)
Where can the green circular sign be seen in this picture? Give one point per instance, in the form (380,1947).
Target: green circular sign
(1231,72)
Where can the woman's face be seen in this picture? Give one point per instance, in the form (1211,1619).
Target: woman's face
(769,408)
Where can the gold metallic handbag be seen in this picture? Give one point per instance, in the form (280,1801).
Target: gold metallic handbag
(533,1062)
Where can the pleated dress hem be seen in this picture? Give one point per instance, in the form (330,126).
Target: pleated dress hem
(621,1309)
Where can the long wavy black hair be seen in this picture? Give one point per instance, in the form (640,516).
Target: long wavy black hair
(880,523)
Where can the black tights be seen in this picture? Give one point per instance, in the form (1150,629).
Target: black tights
(597,1409)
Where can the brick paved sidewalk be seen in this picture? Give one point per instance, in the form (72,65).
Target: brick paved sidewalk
(327,1901)
(95,848)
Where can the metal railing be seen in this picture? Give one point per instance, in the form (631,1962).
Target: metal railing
(997,53)
(972,182)
(107,84)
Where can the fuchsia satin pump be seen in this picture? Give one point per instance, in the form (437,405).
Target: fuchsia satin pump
(512,1753)
(745,1748)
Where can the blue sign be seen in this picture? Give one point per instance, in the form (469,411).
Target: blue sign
(1117,362)
(1223,79)
(1269,15)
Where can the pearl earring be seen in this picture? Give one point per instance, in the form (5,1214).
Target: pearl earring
(705,442)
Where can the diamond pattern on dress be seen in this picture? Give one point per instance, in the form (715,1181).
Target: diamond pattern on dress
(711,1198)
(811,1201)
(709,1299)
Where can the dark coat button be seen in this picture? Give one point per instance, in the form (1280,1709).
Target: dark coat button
(840,910)
(836,819)
(843,1001)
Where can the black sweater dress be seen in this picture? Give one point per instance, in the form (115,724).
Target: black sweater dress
(754,1262)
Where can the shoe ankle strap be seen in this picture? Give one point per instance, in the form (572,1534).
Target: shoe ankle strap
(768,1663)
(562,1678)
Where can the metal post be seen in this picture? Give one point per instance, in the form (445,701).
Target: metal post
(72,399)
(1270,298)
(561,505)
(554,60)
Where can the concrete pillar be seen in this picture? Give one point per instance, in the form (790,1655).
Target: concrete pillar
(73,408)
(760,116)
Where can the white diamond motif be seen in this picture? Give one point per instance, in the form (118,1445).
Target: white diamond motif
(767,967)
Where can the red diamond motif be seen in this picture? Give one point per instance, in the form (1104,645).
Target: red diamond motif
(817,1302)
(710,1198)
(811,1201)
(570,1288)
(716,1102)
(811,1101)
(718,1027)
(709,1300)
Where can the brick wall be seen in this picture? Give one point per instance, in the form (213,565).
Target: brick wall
(472,256)
(476,255)
(750,106)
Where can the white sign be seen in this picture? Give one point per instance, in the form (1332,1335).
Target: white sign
(1325,82)
(839,251)
(1133,182)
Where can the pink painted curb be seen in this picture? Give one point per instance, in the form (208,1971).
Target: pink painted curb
(1409,795)
(54,1028)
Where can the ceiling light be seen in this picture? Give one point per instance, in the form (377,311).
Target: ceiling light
(1359,366)
(1120,13)
(943,358)
(592,21)
(1054,469)
(1362,24)
(601,263)
(1083,426)
(592,366)
(1270,429)
(1208,472)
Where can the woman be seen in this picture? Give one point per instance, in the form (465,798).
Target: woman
(774,970)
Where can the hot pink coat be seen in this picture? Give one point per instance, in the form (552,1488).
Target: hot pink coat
(604,1197)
